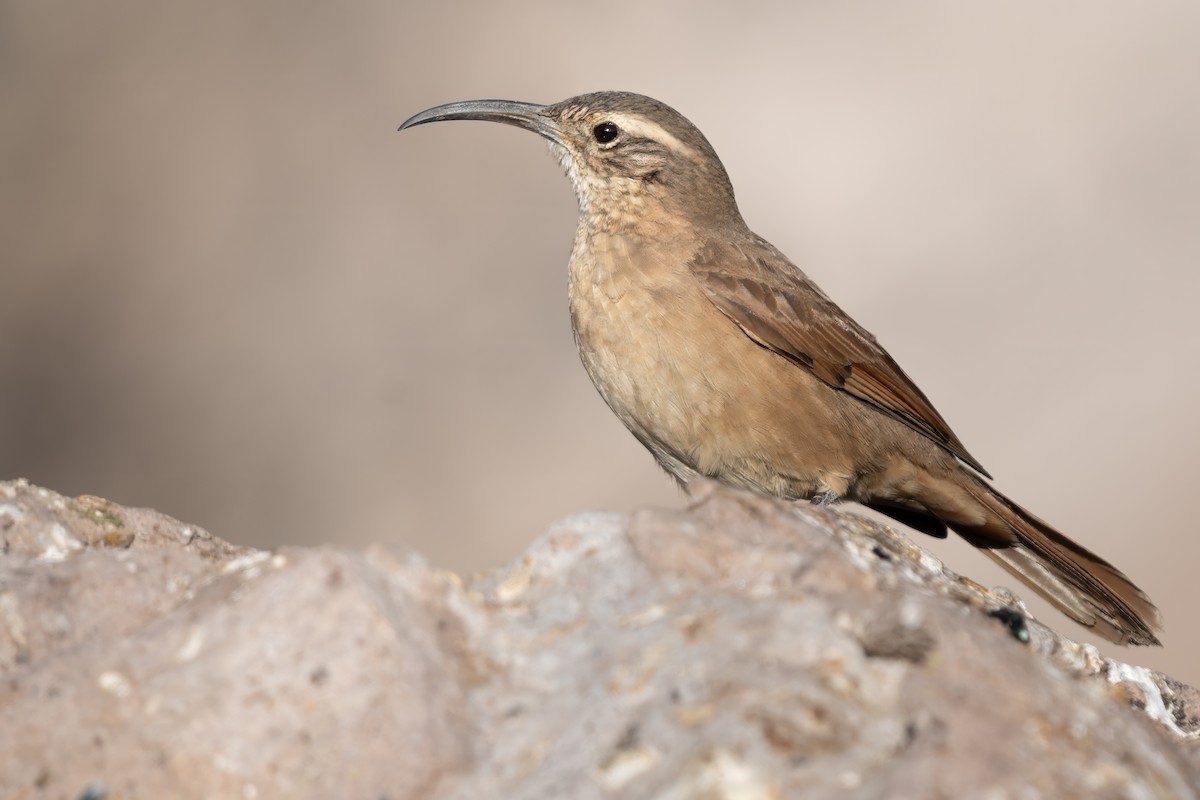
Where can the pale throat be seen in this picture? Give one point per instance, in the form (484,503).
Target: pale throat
(618,206)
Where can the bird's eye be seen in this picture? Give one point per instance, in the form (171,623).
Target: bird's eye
(605,132)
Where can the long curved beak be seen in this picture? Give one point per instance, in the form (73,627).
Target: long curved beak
(530,116)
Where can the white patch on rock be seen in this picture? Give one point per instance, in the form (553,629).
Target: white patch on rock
(114,683)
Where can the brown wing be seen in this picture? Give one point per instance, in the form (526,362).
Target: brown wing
(778,307)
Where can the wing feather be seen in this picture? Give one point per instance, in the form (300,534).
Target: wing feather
(777,306)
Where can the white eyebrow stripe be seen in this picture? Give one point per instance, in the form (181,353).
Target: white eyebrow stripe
(645,129)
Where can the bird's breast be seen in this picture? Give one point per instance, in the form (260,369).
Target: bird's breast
(702,396)
(635,316)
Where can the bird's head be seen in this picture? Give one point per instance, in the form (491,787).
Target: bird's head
(634,162)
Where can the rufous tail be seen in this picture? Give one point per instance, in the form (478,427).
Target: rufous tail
(1075,580)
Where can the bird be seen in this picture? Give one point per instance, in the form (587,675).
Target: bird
(726,361)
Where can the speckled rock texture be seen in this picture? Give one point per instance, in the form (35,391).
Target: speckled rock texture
(740,648)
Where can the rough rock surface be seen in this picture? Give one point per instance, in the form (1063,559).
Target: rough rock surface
(741,648)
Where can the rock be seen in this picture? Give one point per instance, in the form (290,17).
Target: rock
(741,648)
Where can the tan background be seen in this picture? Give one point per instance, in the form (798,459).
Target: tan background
(233,292)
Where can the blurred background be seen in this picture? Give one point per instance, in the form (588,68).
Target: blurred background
(231,291)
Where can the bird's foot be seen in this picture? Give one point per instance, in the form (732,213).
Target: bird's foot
(825,498)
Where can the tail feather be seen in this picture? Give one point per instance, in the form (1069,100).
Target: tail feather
(1073,579)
